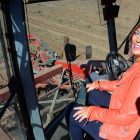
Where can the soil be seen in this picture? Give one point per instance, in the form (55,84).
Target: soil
(79,20)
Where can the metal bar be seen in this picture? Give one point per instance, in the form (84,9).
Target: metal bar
(16,35)
(4,53)
(14,66)
(52,86)
(56,93)
(46,74)
(55,111)
(53,103)
(126,39)
(35,1)
(25,67)
(57,101)
(112,35)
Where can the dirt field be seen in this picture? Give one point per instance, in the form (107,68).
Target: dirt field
(79,20)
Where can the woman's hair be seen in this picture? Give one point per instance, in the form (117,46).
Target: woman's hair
(130,54)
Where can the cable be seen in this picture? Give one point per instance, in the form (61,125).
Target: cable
(27,19)
(71,77)
(127,37)
(100,14)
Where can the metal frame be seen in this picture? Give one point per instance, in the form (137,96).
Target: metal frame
(21,66)
(111,33)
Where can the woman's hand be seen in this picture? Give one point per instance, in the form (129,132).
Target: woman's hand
(90,87)
(81,113)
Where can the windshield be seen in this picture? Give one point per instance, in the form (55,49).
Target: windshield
(79,20)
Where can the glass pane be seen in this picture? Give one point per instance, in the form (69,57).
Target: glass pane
(81,23)
(79,20)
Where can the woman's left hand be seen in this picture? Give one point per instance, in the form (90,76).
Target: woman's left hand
(81,113)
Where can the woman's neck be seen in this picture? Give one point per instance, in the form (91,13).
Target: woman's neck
(137,60)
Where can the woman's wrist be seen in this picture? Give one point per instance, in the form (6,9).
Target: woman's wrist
(99,86)
(94,85)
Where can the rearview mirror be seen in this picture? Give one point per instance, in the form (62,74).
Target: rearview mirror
(70,52)
(88,52)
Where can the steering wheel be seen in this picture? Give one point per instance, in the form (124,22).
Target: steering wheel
(115,65)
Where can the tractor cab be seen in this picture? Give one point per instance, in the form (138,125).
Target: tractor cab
(45,58)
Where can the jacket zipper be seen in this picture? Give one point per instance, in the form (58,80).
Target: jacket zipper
(125,130)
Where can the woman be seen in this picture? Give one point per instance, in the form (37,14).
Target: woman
(116,116)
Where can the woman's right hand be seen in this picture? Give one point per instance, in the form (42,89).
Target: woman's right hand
(90,87)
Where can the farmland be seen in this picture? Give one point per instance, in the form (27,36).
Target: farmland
(79,20)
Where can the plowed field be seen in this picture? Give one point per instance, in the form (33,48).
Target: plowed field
(79,20)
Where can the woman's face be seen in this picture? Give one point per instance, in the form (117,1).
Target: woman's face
(136,43)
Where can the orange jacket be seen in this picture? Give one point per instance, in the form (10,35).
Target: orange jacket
(122,120)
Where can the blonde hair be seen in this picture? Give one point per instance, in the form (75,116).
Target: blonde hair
(130,54)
